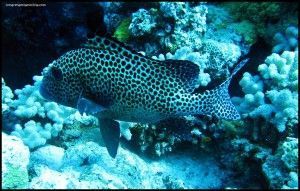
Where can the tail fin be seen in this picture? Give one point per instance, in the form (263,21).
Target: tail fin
(217,101)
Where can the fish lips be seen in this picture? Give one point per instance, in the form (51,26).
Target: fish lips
(44,92)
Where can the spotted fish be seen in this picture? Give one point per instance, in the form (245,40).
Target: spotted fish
(109,80)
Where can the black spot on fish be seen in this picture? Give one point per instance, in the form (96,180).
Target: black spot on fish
(106,42)
(113,45)
(57,73)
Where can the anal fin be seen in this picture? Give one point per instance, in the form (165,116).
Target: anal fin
(110,130)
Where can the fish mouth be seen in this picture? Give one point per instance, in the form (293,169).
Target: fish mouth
(44,92)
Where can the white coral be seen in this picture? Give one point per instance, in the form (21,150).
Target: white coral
(276,84)
(282,70)
(30,106)
(7,96)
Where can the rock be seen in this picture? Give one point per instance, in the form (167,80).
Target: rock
(15,158)
(98,170)
(49,179)
(274,172)
(49,155)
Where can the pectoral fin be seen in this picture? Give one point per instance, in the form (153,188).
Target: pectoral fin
(88,106)
(110,131)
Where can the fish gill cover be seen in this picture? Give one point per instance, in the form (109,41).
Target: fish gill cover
(150,95)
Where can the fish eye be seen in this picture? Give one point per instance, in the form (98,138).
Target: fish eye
(56,73)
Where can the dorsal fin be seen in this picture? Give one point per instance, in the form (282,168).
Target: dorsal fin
(112,45)
(186,70)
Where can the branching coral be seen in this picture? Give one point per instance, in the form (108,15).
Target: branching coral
(287,41)
(272,95)
(7,96)
(41,119)
(281,71)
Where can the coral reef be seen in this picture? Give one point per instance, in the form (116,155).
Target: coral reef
(287,41)
(172,25)
(88,166)
(160,139)
(222,28)
(186,53)
(215,57)
(274,91)
(201,42)
(220,54)
(276,174)
(41,120)
(15,159)
(190,24)
(265,19)
(257,13)
(290,153)
(292,182)
(247,30)
(274,171)
(279,175)
(271,101)
(111,17)
(6,96)
(142,22)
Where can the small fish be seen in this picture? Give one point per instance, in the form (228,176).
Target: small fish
(107,79)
